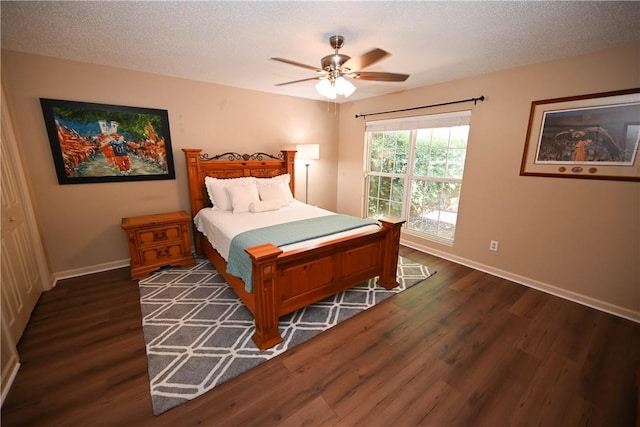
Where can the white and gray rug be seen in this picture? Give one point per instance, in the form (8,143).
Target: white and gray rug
(198,332)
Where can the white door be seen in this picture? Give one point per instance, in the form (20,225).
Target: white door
(23,273)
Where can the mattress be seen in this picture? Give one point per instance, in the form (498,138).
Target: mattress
(220,227)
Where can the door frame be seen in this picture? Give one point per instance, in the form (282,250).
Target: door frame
(10,149)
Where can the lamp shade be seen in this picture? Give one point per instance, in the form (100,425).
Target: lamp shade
(308,151)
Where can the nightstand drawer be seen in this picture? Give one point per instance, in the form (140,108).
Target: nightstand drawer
(158,234)
(161,253)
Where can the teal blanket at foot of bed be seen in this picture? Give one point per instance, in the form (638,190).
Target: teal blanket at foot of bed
(239,263)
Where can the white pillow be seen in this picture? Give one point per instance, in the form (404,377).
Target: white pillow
(216,188)
(275,192)
(264,205)
(276,188)
(242,195)
(285,177)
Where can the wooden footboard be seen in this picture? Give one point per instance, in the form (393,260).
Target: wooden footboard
(284,282)
(287,281)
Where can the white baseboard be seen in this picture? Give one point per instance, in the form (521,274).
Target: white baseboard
(95,269)
(11,377)
(526,281)
(90,270)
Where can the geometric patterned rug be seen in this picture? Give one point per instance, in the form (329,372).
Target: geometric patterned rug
(198,332)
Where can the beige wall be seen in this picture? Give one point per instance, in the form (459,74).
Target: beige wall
(80,223)
(576,238)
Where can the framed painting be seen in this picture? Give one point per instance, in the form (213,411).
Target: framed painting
(93,143)
(591,136)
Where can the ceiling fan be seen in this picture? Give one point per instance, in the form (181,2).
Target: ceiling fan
(334,68)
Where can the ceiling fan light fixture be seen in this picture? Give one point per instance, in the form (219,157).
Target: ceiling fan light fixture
(331,88)
(350,89)
(335,67)
(344,87)
(326,89)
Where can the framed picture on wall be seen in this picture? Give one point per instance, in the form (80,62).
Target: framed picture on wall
(93,143)
(593,136)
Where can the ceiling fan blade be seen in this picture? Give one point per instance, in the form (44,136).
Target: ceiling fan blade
(298,81)
(297,64)
(365,60)
(379,76)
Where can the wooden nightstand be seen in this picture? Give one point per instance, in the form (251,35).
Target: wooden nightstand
(157,241)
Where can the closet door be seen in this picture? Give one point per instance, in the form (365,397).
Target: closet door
(23,269)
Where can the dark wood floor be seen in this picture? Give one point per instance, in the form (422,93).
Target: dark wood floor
(463,348)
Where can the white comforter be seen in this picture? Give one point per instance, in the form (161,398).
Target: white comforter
(220,227)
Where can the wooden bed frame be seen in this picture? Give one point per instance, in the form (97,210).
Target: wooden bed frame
(287,281)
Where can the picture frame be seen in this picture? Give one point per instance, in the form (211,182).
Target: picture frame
(595,136)
(93,143)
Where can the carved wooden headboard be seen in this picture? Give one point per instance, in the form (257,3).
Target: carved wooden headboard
(232,165)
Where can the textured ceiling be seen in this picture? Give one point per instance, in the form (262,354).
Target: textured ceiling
(230,42)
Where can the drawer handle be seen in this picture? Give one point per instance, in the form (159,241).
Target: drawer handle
(162,253)
(160,235)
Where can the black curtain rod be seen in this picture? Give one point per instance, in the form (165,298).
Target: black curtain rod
(475,100)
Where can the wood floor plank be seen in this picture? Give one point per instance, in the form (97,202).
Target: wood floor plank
(316,413)
(529,304)
(462,348)
(376,378)
(604,365)
(376,396)
(549,390)
(580,412)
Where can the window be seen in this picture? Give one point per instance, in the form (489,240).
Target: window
(414,171)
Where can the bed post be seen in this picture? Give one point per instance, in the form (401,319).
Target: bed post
(266,294)
(196,186)
(388,279)
(289,159)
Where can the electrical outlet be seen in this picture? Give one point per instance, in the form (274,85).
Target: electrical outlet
(493,245)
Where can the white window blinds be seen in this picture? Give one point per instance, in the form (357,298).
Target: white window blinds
(457,118)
